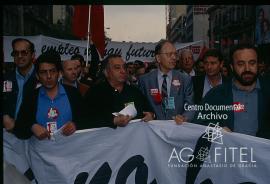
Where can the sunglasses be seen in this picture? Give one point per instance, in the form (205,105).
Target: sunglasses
(16,53)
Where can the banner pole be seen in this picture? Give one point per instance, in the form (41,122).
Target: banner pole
(88,32)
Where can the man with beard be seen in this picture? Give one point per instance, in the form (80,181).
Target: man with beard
(246,97)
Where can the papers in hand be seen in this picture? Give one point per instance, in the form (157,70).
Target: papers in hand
(128,110)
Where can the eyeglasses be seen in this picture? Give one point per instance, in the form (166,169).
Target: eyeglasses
(170,54)
(16,53)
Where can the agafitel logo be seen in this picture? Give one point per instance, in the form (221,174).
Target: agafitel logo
(238,107)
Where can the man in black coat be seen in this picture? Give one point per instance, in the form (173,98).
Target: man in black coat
(17,85)
(51,106)
(242,104)
(213,63)
(112,95)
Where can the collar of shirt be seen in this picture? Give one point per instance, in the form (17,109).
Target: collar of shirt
(21,80)
(207,82)
(80,77)
(160,75)
(27,76)
(112,88)
(257,86)
(192,73)
(74,84)
(61,90)
(168,79)
(207,85)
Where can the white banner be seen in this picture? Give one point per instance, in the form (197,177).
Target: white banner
(12,175)
(14,151)
(130,51)
(155,152)
(195,47)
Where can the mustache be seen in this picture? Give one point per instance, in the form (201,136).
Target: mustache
(248,72)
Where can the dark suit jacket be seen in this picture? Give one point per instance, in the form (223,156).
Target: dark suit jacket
(83,88)
(27,114)
(101,101)
(198,85)
(10,98)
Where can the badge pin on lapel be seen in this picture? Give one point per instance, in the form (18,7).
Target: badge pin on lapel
(7,87)
(176,83)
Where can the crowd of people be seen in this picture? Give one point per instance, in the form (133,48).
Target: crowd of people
(43,96)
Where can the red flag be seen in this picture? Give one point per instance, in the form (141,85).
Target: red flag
(80,21)
(97,28)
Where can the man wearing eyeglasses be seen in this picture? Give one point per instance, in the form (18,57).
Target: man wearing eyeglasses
(167,89)
(19,82)
(16,86)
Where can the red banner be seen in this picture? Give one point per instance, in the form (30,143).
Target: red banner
(97,27)
(80,21)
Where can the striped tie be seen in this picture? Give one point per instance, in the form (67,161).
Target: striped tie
(164,93)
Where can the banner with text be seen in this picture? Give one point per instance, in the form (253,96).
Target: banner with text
(130,51)
(154,152)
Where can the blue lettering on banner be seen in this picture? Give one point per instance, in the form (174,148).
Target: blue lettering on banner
(141,52)
(112,51)
(62,50)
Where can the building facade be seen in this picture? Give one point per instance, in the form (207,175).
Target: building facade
(20,20)
(176,21)
(62,17)
(229,25)
(192,25)
(197,24)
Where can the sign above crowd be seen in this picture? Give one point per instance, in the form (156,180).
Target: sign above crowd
(130,51)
